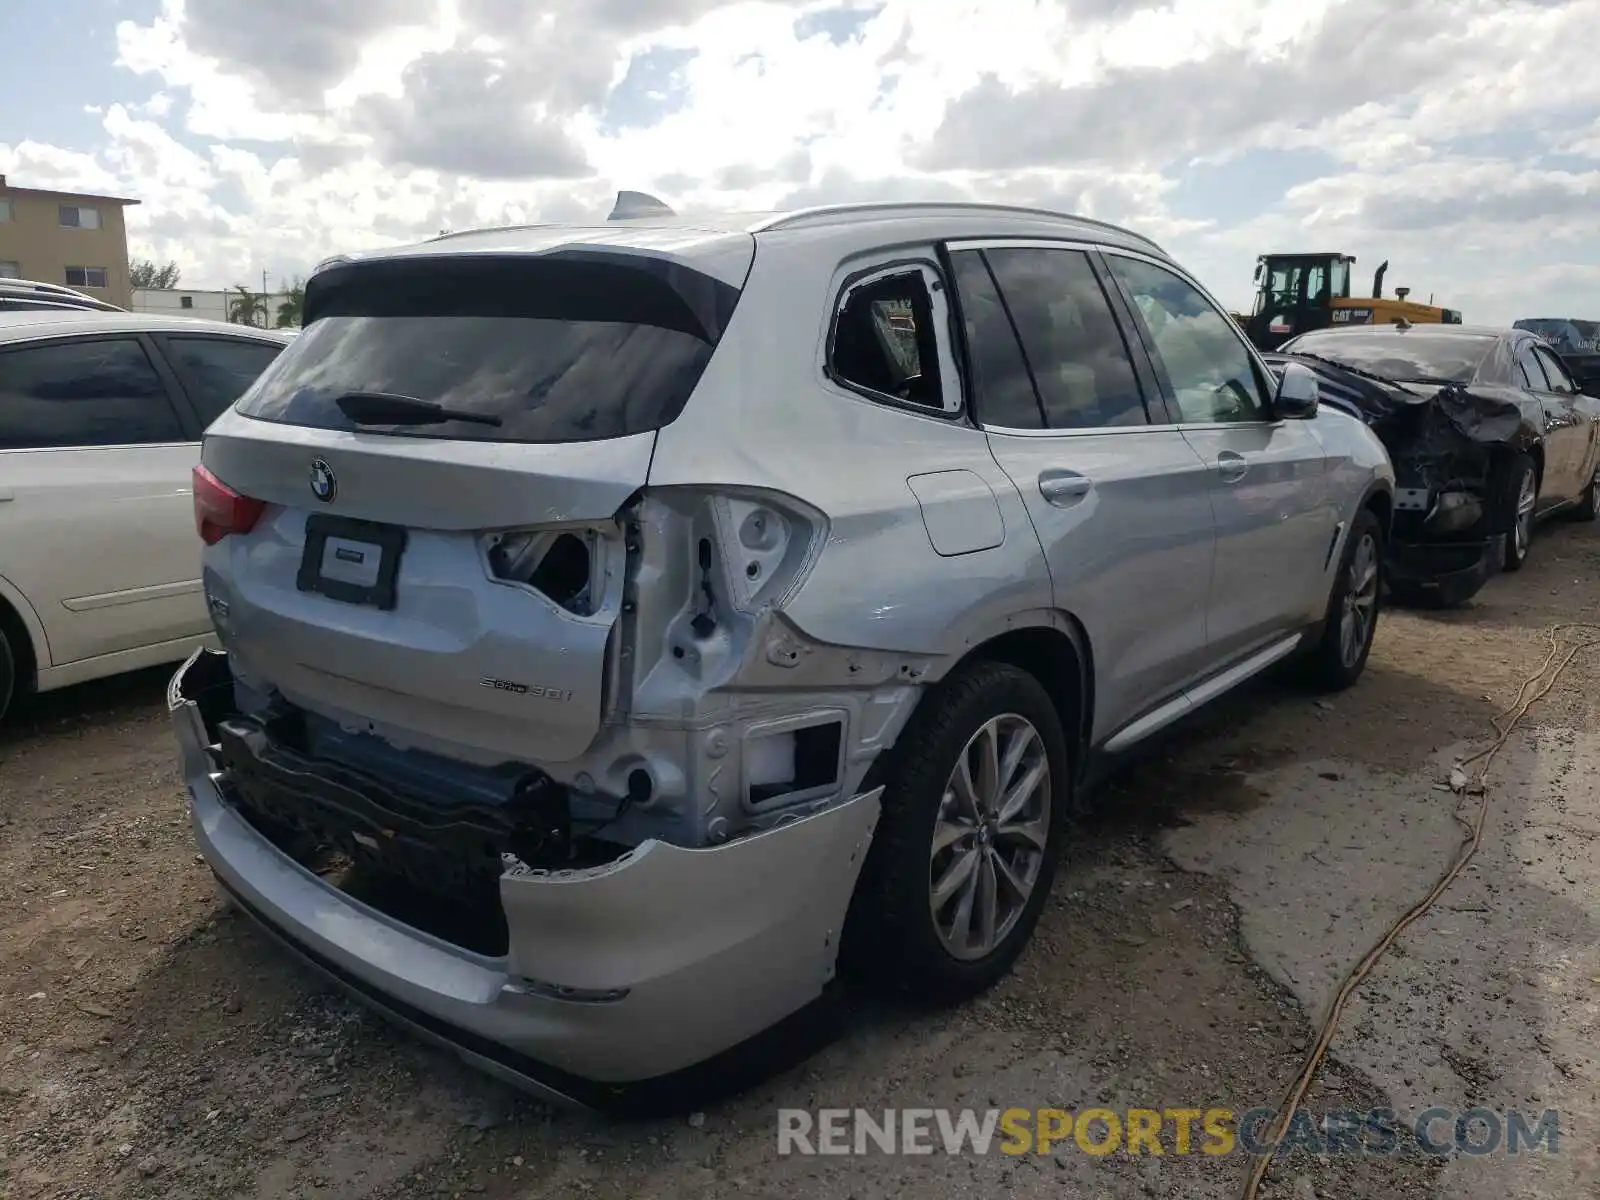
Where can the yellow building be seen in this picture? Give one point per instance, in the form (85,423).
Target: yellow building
(66,237)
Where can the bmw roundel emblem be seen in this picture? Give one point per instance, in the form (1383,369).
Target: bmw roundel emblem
(324,484)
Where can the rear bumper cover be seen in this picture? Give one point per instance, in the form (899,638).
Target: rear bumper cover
(615,975)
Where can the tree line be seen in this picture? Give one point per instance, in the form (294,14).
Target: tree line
(245,307)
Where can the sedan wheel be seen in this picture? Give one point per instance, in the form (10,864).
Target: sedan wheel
(1519,539)
(990,837)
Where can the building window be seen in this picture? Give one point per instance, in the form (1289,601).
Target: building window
(94,277)
(10,270)
(185,301)
(5,211)
(75,216)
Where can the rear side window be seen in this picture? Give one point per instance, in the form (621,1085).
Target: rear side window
(883,339)
(571,347)
(102,392)
(1554,372)
(217,371)
(1070,338)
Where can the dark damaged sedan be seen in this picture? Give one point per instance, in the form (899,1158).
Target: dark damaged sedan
(1488,433)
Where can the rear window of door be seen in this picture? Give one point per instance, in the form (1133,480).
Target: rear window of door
(1528,366)
(95,392)
(1554,372)
(542,348)
(1071,342)
(1003,395)
(217,371)
(1212,376)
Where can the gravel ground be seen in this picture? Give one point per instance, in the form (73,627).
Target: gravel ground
(152,1044)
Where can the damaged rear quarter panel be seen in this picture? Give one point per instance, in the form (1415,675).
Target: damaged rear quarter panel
(767,416)
(880,612)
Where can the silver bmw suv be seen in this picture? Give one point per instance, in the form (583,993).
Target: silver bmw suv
(627,628)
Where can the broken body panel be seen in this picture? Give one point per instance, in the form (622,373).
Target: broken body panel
(715,943)
(1452,447)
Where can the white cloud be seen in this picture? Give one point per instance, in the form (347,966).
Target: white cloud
(269,136)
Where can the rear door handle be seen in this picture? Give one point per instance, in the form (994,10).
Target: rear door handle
(1061,487)
(1232,466)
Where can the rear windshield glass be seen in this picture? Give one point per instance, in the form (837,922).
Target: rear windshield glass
(1402,355)
(531,352)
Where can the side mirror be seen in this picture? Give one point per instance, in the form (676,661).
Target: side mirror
(1296,398)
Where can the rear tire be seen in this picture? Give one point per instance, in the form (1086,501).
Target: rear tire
(941,844)
(1352,618)
(1523,499)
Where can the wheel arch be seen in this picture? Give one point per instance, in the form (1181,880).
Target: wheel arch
(25,633)
(1054,648)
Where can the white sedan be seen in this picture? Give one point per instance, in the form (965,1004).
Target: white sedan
(100,423)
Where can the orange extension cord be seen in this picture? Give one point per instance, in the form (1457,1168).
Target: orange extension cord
(1469,847)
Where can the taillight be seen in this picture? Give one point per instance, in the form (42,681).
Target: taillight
(219,510)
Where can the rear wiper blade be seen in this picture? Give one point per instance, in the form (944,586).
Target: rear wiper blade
(389,408)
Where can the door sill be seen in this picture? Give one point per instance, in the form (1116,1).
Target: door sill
(1201,693)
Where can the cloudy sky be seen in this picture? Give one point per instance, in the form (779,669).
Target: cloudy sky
(1457,138)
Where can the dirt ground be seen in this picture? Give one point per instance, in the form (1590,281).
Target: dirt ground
(152,1044)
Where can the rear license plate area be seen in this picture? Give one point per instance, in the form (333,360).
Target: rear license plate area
(357,562)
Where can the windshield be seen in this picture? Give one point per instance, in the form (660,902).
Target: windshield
(1572,336)
(1399,354)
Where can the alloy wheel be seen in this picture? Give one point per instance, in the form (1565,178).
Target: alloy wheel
(1360,601)
(990,836)
(1527,497)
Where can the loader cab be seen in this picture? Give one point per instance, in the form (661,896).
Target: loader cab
(1296,293)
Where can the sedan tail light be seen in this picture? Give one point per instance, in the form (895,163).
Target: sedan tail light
(219,510)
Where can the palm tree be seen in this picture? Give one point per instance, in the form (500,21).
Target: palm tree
(292,308)
(246,306)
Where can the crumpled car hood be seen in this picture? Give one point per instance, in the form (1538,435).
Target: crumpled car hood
(1439,435)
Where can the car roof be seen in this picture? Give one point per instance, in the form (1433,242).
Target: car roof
(1425,328)
(25,324)
(720,243)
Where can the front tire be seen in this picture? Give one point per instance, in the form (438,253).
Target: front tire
(1524,501)
(1352,619)
(8,675)
(975,802)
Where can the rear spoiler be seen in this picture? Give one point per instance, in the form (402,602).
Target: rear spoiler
(570,284)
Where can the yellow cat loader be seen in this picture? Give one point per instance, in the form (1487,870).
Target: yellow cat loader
(1296,293)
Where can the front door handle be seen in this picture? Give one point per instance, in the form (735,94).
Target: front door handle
(1232,466)
(1062,487)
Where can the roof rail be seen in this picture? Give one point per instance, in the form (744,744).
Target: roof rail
(56,292)
(802,215)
